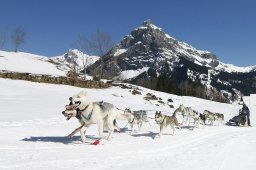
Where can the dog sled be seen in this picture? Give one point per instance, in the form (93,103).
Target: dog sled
(237,120)
(242,119)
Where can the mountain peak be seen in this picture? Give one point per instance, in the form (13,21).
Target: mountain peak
(147,22)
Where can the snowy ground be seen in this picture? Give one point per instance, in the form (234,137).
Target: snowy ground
(33,133)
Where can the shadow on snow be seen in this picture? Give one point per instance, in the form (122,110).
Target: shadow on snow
(56,139)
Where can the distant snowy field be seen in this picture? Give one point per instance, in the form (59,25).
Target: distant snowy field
(33,133)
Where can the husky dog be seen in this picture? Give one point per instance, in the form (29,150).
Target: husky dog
(219,117)
(164,121)
(93,113)
(136,117)
(71,111)
(198,118)
(186,112)
(210,116)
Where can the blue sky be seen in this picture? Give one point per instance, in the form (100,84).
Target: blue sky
(227,28)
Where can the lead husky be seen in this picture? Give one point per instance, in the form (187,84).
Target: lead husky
(71,111)
(164,121)
(93,113)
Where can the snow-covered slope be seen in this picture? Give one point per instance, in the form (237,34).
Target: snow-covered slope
(75,58)
(28,63)
(33,133)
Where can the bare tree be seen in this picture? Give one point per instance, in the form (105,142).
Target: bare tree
(98,44)
(18,37)
(3,39)
(83,45)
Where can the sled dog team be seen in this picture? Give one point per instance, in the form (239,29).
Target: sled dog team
(104,115)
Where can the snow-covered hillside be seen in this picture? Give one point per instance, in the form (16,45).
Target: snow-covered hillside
(28,63)
(57,66)
(33,133)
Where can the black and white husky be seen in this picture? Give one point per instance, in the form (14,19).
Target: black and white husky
(136,117)
(199,118)
(88,113)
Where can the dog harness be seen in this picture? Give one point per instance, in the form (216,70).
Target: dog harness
(88,117)
(79,114)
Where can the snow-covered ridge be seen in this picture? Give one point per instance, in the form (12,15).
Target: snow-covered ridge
(189,47)
(199,60)
(232,68)
(74,57)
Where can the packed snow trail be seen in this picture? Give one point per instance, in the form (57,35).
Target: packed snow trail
(33,134)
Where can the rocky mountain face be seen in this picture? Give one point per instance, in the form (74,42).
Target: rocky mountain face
(151,58)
